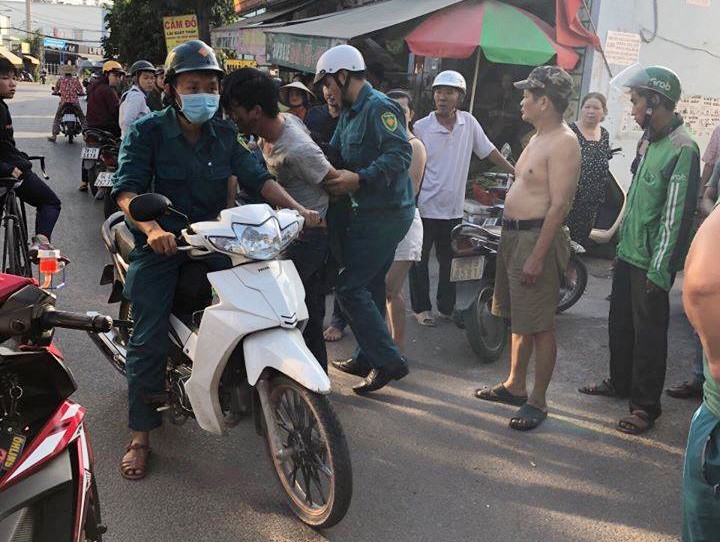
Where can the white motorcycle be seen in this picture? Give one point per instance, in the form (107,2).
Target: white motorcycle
(244,353)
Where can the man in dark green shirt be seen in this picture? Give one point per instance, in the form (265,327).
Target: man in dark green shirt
(377,212)
(186,154)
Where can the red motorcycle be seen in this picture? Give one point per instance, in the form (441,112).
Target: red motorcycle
(47,483)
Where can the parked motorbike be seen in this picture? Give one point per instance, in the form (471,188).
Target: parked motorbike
(244,353)
(603,236)
(47,482)
(98,156)
(70,124)
(474,245)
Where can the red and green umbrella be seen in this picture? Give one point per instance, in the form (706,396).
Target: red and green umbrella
(506,34)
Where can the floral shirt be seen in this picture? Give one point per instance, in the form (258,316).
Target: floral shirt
(69,89)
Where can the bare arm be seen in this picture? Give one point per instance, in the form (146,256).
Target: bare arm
(701,290)
(417,165)
(232,190)
(499,160)
(563,176)
(708,201)
(276,195)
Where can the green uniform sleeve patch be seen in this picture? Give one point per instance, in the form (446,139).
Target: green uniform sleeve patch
(390,121)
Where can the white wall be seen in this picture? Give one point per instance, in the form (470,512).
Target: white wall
(692,26)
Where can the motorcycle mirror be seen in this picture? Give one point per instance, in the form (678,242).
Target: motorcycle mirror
(146,207)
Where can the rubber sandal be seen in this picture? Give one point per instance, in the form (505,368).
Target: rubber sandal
(527,418)
(139,466)
(637,423)
(426,319)
(605,388)
(500,394)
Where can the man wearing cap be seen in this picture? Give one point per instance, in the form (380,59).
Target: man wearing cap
(652,245)
(187,154)
(156,97)
(534,247)
(69,88)
(379,210)
(450,137)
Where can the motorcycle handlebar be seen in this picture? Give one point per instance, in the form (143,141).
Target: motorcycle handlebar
(72,320)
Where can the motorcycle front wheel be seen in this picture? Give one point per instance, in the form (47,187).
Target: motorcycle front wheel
(313,465)
(486,333)
(573,284)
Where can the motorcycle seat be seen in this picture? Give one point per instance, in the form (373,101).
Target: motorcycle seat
(124,240)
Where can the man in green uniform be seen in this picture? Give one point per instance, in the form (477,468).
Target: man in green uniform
(380,208)
(701,476)
(186,154)
(654,240)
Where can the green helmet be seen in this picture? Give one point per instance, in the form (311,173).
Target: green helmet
(141,66)
(659,79)
(191,56)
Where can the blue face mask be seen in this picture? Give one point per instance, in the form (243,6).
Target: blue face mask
(199,108)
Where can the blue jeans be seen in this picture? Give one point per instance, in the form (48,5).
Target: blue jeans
(309,254)
(697,366)
(368,249)
(701,503)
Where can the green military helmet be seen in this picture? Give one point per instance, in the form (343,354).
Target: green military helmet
(141,66)
(191,56)
(659,79)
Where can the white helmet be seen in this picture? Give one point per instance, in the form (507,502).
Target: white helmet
(340,57)
(450,78)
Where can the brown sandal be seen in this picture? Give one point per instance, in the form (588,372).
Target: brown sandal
(135,468)
(637,423)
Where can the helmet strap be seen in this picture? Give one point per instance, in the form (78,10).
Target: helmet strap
(343,88)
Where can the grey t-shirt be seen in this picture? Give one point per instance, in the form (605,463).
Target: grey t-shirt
(714,181)
(299,165)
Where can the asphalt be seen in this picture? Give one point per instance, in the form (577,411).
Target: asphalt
(430,462)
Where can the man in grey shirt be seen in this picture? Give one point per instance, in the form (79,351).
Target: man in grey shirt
(251,100)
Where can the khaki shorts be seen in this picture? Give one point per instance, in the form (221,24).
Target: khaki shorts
(531,309)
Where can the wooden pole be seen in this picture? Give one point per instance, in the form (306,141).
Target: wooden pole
(475,80)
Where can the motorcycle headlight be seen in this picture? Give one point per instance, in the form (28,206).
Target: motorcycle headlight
(262,242)
(289,234)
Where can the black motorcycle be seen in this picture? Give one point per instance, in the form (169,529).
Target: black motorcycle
(99,156)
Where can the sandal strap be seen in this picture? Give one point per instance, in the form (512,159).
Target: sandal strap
(137,446)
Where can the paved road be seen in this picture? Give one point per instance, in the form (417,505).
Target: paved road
(430,462)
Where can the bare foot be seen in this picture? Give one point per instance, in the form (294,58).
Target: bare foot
(332,334)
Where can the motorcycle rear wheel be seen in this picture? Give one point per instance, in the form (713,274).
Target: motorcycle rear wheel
(316,474)
(486,333)
(573,284)
(91,178)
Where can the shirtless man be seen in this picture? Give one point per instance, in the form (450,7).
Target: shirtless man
(534,247)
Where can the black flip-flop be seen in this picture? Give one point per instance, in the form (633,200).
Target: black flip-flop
(500,394)
(527,418)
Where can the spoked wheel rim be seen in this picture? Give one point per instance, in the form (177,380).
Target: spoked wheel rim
(304,462)
(569,283)
(493,328)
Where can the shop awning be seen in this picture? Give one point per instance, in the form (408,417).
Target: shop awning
(506,34)
(32,59)
(300,45)
(353,23)
(16,60)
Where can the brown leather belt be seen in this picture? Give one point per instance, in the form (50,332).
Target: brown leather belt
(532,224)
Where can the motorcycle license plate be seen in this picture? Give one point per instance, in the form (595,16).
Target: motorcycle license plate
(104,179)
(68,118)
(90,153)
(469,268)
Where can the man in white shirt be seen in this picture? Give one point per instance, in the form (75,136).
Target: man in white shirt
(450,137)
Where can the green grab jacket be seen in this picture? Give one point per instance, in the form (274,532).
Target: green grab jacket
(657,229)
